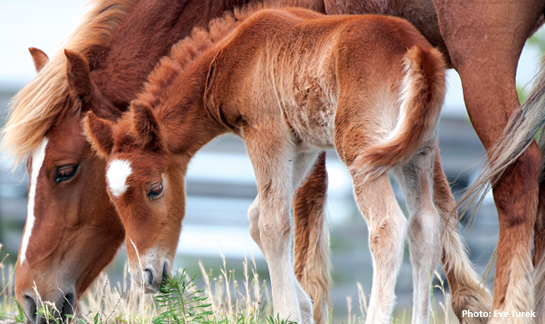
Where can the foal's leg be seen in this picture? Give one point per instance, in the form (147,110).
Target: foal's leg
(272,156)
(253,217)
(311,244)
(387,226)
(314,271)
(424,232)
(468,291)
(484,40)
(311,239)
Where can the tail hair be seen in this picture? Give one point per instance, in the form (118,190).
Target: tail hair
(517,136)
(421,98)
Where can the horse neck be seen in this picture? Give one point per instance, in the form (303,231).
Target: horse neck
(147,34)
(185,117)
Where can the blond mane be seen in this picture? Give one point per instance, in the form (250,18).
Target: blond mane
(35,108)
(184,53)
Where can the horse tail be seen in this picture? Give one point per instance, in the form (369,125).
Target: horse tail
(422,94)
(519,133)
(312,264)
(469,293)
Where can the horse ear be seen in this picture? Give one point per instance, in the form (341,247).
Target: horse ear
(79,76)
(39,58)
(99,133)
(146,127)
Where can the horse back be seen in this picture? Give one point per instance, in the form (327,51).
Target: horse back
(294,65)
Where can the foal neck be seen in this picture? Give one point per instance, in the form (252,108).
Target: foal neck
(184,115)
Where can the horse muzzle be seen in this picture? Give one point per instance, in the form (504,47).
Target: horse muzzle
(45,309)
(152,274)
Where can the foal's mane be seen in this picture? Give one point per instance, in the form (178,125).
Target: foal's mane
(35,108)
(183,54)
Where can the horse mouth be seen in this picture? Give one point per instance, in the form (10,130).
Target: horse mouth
(165,275)
(60,312)
(152,286)
(68,307)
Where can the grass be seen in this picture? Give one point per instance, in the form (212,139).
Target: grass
(222,299)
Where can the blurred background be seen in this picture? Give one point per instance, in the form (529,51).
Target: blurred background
(220,181)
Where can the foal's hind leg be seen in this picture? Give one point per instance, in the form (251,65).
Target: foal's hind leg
(315,275)
(311,239)
(424,232)
(387,226)
(468,291)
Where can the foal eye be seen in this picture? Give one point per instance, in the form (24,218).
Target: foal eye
(65,173)
(155,191)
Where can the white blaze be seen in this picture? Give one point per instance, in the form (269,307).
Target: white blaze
(38,155)
(117,175)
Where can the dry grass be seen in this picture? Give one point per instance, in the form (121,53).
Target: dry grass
(222,299)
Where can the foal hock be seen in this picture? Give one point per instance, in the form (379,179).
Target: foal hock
(290,83)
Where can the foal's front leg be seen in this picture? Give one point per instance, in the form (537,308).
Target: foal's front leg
(272,158)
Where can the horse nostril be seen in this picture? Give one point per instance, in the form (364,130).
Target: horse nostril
(149,276)
(68,306)
(32,308)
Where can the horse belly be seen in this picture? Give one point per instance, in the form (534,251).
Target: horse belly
(311,115)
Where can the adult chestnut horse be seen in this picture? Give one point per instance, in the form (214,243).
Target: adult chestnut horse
(290,82)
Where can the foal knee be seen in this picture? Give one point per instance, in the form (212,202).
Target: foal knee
(253,217)
(275,233)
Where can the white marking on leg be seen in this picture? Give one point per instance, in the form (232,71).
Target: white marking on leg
(117,175)
(38,155)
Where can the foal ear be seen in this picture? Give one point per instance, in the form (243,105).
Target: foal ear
(99,133)
(146,127)
(79,76)
(39,58)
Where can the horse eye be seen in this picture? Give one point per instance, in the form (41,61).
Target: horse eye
(65,173)
(155,191)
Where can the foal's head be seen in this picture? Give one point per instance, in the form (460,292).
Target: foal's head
(145,182)
(149,148)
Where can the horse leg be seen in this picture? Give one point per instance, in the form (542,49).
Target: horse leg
(539,257)
(312,263)
(468,292)
(424,231)
(387,227)
(253,218)
(484,41)
(274,176)
(311,245)
(539,228)
(315,287)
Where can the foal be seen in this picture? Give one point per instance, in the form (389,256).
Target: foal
(291,83)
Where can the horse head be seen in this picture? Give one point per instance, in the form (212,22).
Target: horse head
(145,182)
(72,230)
